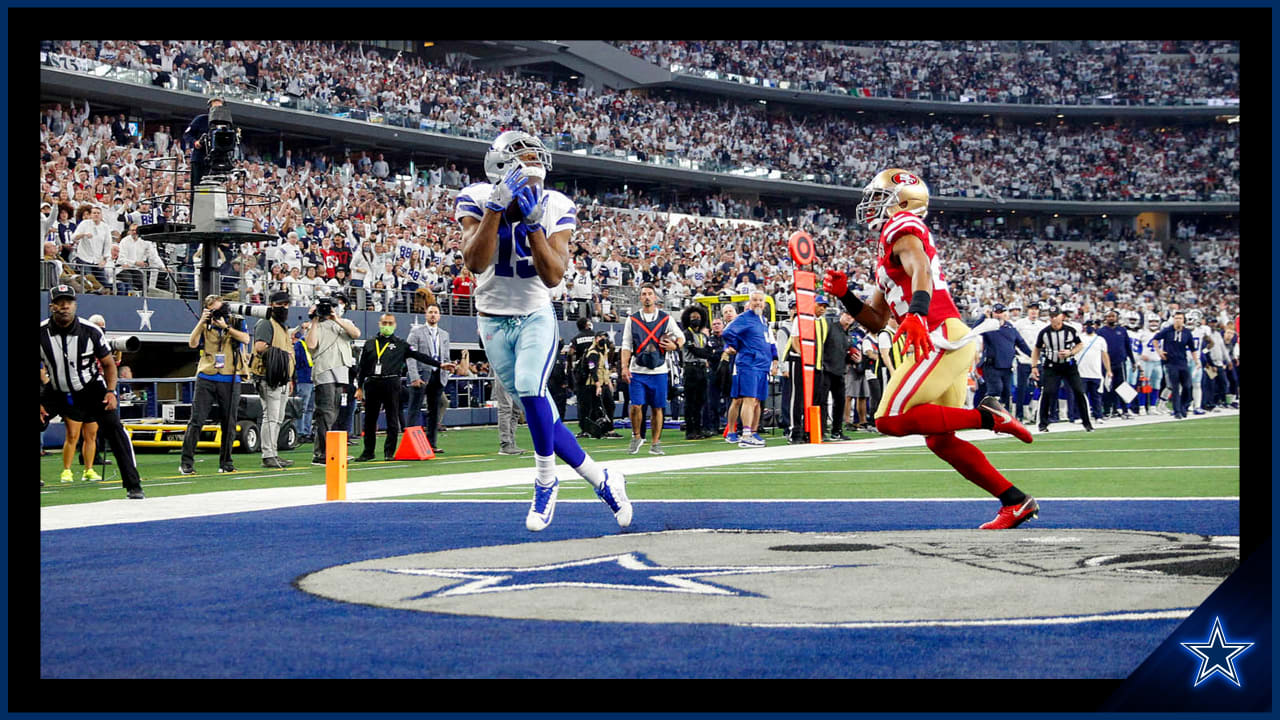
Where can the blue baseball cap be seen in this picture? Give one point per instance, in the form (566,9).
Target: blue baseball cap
(820,300)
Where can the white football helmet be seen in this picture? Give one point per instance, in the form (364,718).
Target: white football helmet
(1153,322)
(514,146)
(1194,318)
(891,192)
(1132,319)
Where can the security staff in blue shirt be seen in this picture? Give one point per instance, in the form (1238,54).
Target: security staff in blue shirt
(998,349)
(1119,348)
(1175,342)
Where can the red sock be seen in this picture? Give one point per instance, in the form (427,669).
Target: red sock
(930,420)
(969,461)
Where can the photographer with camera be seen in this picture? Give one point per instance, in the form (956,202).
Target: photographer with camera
(329,339)
(272,368)
(80,389)
(593,371)
(221,343)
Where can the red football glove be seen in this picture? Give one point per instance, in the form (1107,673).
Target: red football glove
(917,335)
(836,283)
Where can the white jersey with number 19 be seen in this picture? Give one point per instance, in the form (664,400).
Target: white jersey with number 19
(510,284)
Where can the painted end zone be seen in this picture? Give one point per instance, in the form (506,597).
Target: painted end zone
(217,597)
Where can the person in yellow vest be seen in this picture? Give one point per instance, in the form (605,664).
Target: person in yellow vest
(221,345)
(302,385)
(272,368)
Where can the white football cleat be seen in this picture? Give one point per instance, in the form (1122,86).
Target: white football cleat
(543,507)
(614,494)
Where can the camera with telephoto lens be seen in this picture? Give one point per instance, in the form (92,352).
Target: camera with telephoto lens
(324,309)
(243,310)
(125,344)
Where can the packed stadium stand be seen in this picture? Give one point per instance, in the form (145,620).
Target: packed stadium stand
(1104,175)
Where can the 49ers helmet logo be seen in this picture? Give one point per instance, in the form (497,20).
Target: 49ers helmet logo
(905,179)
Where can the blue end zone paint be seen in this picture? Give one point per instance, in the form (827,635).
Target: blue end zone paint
(213,598)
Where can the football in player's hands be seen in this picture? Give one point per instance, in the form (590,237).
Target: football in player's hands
(836,283)
(504,191)
(532,202)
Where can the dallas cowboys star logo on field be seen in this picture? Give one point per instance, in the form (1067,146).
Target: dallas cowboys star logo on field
(627,571)
(1217,655)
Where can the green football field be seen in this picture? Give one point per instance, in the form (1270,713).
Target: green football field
(1190,458)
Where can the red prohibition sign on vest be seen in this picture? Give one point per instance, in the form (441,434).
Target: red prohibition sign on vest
(801,247)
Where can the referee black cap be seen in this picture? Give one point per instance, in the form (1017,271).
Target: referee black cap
(1056,310)
(62,291)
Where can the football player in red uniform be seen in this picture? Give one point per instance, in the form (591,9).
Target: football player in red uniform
(926,393)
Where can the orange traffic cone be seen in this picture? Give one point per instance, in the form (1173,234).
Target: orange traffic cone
(414,445)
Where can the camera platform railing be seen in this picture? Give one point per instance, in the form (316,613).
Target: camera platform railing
(213,213)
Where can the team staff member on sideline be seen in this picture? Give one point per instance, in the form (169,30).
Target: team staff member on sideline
(267,334)
(1058,344)
(425,382)
(747,337)
(77,389)
(1029,328)
(217,381)
(998,351)
(647,339)
(696,355)
(381,364)
(1175,341)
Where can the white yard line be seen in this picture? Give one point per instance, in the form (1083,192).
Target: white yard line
(121,510)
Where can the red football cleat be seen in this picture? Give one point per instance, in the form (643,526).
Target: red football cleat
(1011,516)
(1005,421)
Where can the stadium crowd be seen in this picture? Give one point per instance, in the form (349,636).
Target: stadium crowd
(1141,72)
(354,224)
(966,158)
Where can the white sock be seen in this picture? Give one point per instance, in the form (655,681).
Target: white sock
(546,468)
(591,472)
(746,430)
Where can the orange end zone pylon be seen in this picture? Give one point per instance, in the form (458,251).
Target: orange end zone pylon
(414,445)
(335,465)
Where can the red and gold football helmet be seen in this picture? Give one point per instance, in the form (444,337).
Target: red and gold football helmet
(891,192)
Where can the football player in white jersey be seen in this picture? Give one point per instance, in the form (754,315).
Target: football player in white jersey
(1195,321)
(515,238)
(1152,367)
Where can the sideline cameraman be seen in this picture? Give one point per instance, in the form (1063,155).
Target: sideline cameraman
(272,368)
(79,389)
(329,339)
(221,344)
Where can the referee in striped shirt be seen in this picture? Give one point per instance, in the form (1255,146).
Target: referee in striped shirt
(72,350)
(1058,344)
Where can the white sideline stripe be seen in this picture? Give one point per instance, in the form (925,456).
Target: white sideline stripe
(1069,620)
(121,510)
(952,470)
